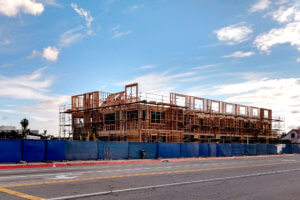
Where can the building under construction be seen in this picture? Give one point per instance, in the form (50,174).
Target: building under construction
(131,115)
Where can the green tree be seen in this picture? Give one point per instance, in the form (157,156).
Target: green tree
(24,123)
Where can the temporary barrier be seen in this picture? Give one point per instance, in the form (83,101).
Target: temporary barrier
(261,149)
(237,149)
(135,149)
(212,149)
(55,150)
(250,149)
(271,149)
(203,150)
(113,150)
(58,150)
(296,148)
(168,150)
(287,149)
(189,150)
(33,150)
(10,150)
(223,150)
(81,150)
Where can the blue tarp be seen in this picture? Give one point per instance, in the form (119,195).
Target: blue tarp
(34,150)
(223,150)
(136,147)
(250,149)
(189,150)
(203,150)
(55,150)
(10,150)
(41,150)
(261,149)
(113,150)
(287,149)
(238,149)
(271,149)
(212,149)
(81,150)
(168,150)
(296,148)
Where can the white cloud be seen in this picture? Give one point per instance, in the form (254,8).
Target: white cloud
(132,9)
(121,34)
(45,110)
(83,13)
(50,3)
(5,42)
(30,86)
(71,36)
(206,66)
(286,14)
(50,53)
(192,79)
(260,5)
(8,111)
(6,65)
(147,67)
(276,94)
(239,54)
(234,34)
(114,28)
(5,118)
(249,75)
(44,113)
(298,60)
(34,54)
(255,90)
(11,8)
(288,34)
(280,2)
(158,83)
(75,34)
(211,45)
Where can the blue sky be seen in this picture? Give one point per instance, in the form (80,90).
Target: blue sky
(239,51)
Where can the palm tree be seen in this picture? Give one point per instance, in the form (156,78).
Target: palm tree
(24,123)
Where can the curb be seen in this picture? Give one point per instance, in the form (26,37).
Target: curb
(223,158)
(69,164)
(18,166)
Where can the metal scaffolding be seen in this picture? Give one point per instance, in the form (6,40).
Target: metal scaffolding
(65,123)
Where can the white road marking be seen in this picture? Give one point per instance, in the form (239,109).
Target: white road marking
(172,184)
(92,167)
(63,177)
(36,175)
(286,160)
(130,169)
(112,166)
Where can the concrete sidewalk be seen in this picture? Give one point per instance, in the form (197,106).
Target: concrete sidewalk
(118,162)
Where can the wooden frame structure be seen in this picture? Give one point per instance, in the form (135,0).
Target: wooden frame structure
(130,115)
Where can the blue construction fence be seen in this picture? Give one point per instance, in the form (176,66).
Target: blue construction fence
(59,150)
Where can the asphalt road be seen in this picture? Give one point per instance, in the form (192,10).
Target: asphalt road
(234,178)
